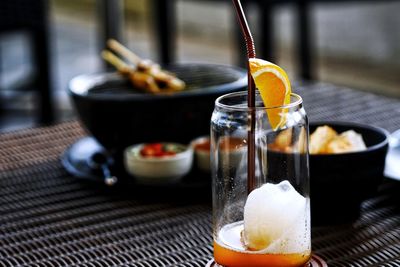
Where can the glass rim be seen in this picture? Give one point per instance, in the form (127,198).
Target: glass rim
(218,103)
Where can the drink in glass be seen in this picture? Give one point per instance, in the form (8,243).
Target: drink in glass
(271,225)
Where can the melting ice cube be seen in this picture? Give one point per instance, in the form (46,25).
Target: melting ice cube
(276,219)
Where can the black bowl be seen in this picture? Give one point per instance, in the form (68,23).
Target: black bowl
(118,116)
(340,182)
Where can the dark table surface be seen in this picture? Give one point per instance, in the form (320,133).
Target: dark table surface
(49,218)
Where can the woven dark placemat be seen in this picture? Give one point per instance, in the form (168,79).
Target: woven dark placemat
(315,261)
(48,218)
(329,102)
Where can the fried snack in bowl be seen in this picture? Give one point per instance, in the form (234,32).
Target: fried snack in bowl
(320,139)
(346,166)
(348,141)
(325,140)
(284,142)
(348,171)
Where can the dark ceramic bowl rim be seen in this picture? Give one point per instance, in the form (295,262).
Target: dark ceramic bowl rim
(375,147)
(80,85)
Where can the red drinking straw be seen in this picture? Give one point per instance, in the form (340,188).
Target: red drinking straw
(251,53)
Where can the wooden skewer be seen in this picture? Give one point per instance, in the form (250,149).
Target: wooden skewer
(123,51)
(144,81)
(141,80)
(145,66)
(115,61)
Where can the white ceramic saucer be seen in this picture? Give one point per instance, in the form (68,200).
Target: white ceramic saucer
(392,166)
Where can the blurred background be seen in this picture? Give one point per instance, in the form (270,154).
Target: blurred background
(349,43)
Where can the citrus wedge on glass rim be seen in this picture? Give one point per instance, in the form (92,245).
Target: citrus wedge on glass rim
(274,86)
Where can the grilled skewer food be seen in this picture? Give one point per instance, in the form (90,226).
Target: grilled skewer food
(143,74)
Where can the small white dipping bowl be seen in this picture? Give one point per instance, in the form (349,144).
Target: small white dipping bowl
(158,170)
(202,156)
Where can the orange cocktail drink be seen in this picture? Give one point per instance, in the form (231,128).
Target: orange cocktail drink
(261,206)
(275,230)
(270,225)
(236,255)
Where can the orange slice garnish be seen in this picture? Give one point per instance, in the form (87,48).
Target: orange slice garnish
(274,86)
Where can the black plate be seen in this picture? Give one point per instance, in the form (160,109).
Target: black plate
(76,160)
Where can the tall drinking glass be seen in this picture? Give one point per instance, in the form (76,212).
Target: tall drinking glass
(271,225)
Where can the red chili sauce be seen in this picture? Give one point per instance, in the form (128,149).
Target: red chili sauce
(158,150)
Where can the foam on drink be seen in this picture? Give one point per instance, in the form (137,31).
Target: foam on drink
(275,230)
(275,219)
